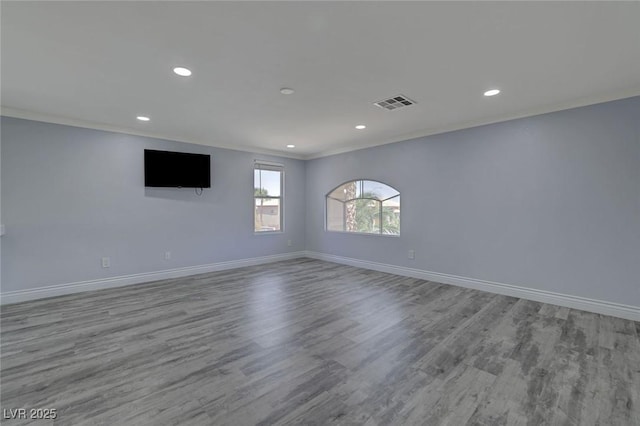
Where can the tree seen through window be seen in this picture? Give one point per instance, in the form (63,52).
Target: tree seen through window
(364,206)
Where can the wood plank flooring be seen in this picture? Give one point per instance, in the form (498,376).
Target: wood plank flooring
(315,343)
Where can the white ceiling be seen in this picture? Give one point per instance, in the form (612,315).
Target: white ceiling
(100,64)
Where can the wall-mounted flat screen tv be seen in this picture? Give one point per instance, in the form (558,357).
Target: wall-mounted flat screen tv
(169,169)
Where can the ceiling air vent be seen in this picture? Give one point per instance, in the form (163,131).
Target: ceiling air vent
(399,101)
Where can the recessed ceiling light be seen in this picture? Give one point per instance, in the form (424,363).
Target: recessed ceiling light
(361,127)
(491,92)
(291,146)
(143,118)
(287,91)
(182,72)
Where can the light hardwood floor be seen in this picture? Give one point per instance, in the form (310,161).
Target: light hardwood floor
(311,342)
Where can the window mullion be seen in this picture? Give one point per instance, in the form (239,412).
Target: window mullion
(263,196)
(344,217)
(376,191)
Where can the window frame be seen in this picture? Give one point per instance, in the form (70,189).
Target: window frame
(344,204)
(271,166)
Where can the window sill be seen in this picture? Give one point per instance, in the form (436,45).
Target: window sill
(368,234)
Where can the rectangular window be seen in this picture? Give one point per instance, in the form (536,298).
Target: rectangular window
(268,197)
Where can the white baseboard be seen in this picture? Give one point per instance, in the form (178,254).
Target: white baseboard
(99,284)
(574,302)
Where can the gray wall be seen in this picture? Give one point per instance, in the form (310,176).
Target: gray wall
(1,222)
(550,202)
(71,196)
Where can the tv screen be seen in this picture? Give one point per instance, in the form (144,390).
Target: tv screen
(176,169)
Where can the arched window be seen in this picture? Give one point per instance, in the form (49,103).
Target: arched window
(364,206)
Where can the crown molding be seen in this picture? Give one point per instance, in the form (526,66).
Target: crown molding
(66,121)
(576,103)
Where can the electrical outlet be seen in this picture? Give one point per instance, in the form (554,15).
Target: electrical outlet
(411,254)
(288,243)
(167,255)
(106,262)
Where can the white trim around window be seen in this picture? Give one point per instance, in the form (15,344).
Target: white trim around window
(268,198)
(363,206)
